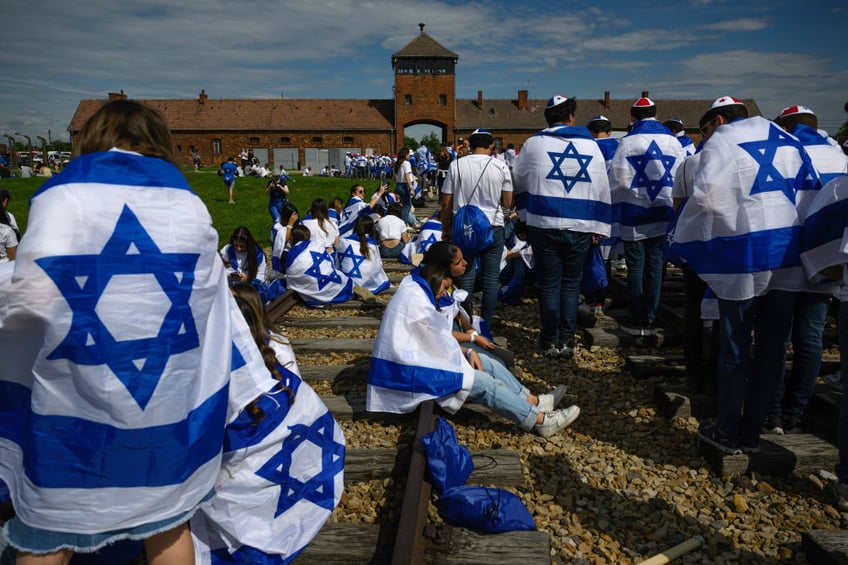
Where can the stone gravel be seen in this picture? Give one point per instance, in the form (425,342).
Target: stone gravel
(621,484)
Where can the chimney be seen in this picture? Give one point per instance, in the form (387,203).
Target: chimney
(117,95)
(480,99)
(203,97)
(606,99)
(522,100)
(644,94)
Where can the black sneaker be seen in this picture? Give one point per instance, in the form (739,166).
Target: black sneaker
(632,326)
(550,351)
(566,350)
(648,329)
(773,425)
(792,425)
(710,434)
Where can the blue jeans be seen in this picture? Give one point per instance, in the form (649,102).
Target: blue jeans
(405,193)
(504,396)
(740,382)
(390,252)
(559,256)
(842,433)
(490,268)
(794,393)
(644,276)
(275,208)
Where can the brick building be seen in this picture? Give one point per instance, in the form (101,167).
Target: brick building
(294,133)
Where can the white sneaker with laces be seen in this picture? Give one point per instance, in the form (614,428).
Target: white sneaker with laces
(548,402)
(557,421)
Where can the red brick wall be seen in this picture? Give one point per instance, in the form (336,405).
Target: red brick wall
(425,107)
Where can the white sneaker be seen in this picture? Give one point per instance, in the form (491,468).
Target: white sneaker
(548,402)
(557,421)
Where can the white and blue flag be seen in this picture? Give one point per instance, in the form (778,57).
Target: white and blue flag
(739,230)
(430,233)
(354,208)
(824,234)
(560,182)
(641,176)
(281,478)
(827,157)
(311,272)
(415,356)
(118,336)
(366,272)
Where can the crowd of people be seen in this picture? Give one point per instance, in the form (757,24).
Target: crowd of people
(753,214)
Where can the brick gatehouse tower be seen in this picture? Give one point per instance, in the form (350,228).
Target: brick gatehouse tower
(425,86)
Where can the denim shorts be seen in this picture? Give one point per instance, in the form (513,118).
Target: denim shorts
(38,541)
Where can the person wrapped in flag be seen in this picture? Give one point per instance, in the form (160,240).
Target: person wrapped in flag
(283,464)
(311,271)
(739,231)
(118,337)
(359,257)
(430,233)
(356,207)
(416,358)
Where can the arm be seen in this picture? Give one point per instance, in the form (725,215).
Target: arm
(446,216)
(11,252)
(377,195)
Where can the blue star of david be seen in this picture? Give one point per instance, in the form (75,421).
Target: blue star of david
(137,363)
(347,213)
(319,489)
(568,181)
(315,270)
(642,179)
(768,178)
(355,259)
(428,241)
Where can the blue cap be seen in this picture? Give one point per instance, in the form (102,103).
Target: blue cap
(556,101)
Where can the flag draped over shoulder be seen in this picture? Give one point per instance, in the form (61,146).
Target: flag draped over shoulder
(117,339)
(311,272)
(739,230)
(641,176)
(366,272)
(415,356)
(824,234)
(560,181)
(827,158)
(430,233)
(354,208)
(281,479)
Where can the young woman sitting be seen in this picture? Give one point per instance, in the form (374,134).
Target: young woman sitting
(311,271)
(244,260)
(324,230)
(359,257)
(391,231)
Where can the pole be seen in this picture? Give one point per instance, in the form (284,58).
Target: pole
(29,142)
(12,151)
(43,149)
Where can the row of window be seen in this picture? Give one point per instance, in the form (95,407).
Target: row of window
(216,143)
(443,99)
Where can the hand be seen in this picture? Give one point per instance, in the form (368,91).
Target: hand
(293,219)
(484,343)
(475,361)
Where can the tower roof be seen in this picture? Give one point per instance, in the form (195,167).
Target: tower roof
(424,46)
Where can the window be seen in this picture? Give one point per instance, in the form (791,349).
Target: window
(254,141)
(285,140)
(317,139)
(499,143)
(443,100)
(216,146)
(348,139)
(407,99)
(179,148)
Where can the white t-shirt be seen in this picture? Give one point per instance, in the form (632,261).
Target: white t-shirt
(318,235)
(390,227)
(405,167)
(7,239)
(494,179)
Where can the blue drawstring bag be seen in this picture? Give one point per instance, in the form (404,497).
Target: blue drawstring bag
(594,272)
(487,509)
(472,231)
(449,463)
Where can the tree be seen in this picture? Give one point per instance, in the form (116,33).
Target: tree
(842,134)
(432,141)
(410,142)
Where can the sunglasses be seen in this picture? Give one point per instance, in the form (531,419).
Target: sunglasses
(705,130)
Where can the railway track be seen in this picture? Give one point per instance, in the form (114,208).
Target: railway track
(333,346)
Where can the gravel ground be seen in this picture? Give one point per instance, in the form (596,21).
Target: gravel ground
(618,486)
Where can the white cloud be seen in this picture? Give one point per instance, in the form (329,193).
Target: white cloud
(739,25)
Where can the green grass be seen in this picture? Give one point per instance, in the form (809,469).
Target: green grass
(250,209)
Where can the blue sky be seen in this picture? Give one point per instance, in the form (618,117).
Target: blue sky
(780,53)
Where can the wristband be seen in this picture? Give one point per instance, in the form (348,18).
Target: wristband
(468,353)
(473,335)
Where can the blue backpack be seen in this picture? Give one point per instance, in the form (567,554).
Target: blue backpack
(472,231)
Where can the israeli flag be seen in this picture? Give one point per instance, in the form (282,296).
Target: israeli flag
(641,176)
(311,272)
(354,208)
(739,230)
(430,233)
(827,157)
(114,381)
(366,272)
(415,356)
(280,481)
(824,234)
(560,182)
(278,245)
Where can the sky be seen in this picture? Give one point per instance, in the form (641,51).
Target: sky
(777,52)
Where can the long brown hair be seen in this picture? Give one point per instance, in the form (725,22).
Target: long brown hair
(251,248)
(129,125)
